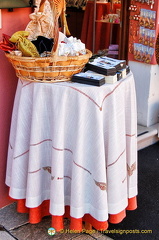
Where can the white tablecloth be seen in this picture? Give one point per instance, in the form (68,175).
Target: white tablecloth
(76,145)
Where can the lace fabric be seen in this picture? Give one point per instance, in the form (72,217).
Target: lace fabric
(41,23)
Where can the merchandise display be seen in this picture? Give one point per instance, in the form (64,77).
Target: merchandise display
(71,47)
(111,79)
(123,72)
(113,51)
(72,149)
(44,59)
(101,70)
(89,78)
(105,23)
(43,44)
(41,24)
(119,76)
(108,79)
(142,31)
(127,69)
(105,65)
(119,64)
(111,17)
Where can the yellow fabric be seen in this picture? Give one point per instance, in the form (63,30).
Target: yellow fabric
(14,38)
(27,48)
(24,45)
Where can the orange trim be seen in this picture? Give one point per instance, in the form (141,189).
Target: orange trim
(76,224)
(117,218)
(21,208)
(36,215)
(96,224)
(57,223)
(88,226)
(132,203)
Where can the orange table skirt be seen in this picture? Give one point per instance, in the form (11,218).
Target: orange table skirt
(36,215)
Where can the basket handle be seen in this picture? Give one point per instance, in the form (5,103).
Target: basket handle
(58,8)
(42,5)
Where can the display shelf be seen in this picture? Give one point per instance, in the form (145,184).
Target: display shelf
(95,34)
(102,21)
(110,9)
(143,31)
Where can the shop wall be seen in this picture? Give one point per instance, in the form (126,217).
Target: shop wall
(11,22)
(147,92)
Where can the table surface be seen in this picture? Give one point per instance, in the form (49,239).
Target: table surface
(74,144)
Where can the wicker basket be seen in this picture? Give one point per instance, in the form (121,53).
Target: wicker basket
(49,69)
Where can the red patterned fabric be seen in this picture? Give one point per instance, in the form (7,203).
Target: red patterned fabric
(6,45)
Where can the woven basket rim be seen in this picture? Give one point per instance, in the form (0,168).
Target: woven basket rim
(51,58)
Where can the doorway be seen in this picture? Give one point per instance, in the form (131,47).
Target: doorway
(106,27)
(124,30)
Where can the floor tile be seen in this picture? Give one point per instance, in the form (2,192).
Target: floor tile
(98,235)
(40,231)
(5,236)
(10,218)
(19,227)
(82,236)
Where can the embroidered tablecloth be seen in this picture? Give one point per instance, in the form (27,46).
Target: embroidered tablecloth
(75,145)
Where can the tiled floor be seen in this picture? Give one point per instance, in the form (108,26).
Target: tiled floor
(16,226)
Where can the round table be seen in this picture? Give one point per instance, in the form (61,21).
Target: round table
(74,146)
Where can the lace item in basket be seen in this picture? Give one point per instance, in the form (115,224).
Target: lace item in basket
(41,23)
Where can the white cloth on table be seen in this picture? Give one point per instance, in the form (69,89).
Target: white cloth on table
(76,145)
